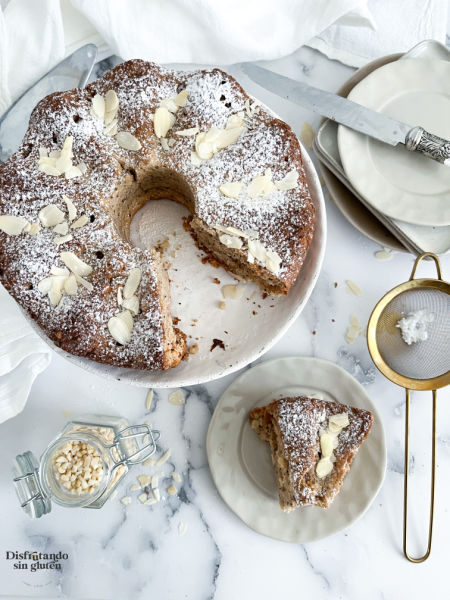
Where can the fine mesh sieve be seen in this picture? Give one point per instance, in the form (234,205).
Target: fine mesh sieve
(423,365)
(425,360)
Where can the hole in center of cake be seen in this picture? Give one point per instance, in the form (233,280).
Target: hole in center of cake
(169,195)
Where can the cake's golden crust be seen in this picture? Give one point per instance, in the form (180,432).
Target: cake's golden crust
(292,428)
(118,182)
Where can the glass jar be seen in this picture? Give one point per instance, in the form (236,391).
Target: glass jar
(83,465)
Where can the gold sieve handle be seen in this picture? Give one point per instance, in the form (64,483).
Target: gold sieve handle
(421,257)
(433,473)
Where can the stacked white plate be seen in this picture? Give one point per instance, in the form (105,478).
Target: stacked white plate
(406,192)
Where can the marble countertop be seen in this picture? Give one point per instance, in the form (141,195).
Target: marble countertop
(191,545)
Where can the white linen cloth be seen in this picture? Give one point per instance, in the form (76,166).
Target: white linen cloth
(399,25)
(23,355)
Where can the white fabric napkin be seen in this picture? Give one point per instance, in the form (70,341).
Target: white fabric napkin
(23,355)
(399,25)
(211,32)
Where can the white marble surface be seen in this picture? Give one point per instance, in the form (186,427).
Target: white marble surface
(136,552)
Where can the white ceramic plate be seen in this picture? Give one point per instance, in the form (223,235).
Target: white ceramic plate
(195,300)
(401,184)
(241,464)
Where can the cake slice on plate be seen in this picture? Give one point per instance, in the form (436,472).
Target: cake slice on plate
(313,444)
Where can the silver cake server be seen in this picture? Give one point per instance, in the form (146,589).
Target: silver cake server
(351,114)
(73,71)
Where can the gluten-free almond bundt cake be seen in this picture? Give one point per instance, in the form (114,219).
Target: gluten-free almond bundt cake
(91,158)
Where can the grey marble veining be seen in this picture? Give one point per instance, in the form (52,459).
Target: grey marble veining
(136,552)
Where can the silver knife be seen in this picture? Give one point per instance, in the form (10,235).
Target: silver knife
(351,114)
(73,71)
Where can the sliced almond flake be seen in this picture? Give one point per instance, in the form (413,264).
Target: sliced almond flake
(182,98)
(353,288)
(63,239)
(120,329)
(34,228)
(144,480)
(172,490)
(49,170)
(71,285)
(12,225)
(164,458)
(98,107)
(75,264)
(231,241)
(44,286)
(128,141)
(273,261)
(54,154)
(111,101)
(149,462)
(195,159)
(126,500)
(70,208)
(233,292)
(51,215)
(151,501)
(384,254)
(169,104)
(119,295)
(87,284)
(229,137)
(54,270)
(233,231)
(234,121)
(61,228)
(182,528)
(165,144)
(135,487)
(156,494)
(176,477)
(80,222)
(155,481)
(261,185)
(72,172)
(231,189)
(289,181)
(247,108)
(177,398)
(131,304)
(112,128)
(132,283)
(257,249)
(307,135)
(187,132)
(148,399)
(163,120)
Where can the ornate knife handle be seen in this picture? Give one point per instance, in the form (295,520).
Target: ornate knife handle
(429,144)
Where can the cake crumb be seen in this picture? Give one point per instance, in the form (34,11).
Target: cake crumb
(193,349)
(222,305)
(217,343)
(216,280)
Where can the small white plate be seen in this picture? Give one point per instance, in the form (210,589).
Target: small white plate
(241,464)
(401,184)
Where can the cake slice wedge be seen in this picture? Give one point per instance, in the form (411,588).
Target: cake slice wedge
(313,443)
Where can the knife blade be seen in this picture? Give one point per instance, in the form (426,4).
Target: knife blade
(351,114)
(73,71)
